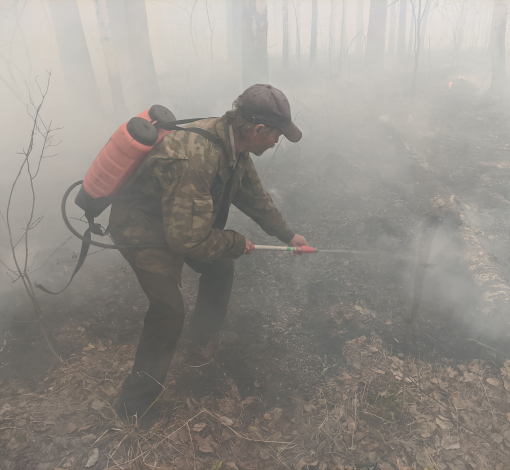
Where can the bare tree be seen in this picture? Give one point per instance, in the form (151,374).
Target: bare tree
(285,32)
(420,9)
(144,71)
(234,22)
(31,158)
(359,27)
(313,34)
(112,64)
(499,83)
(342,36)
(74,54)
(211,31)
(255,60)
(331,41)
(392,27)
(401,44)
(376,35)
(298,31)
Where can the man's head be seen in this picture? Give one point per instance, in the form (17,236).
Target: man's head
(260,115)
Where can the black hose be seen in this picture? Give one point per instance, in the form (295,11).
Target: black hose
(92,242)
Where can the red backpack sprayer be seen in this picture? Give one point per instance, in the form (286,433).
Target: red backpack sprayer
(116,165)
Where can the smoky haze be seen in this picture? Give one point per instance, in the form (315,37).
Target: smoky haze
(404,112)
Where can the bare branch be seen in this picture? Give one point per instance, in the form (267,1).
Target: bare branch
(21,262)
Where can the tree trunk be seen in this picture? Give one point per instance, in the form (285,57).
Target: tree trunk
(234,31)
(424,22)
(360,42)
(144,72)
(298,33)
(462,25)
(499,82)
(255,60)
(331,40)
(401,45)
(342,36)
(285,43)
(419,11)
(313,35)
(411,35)
(112,64)
(74,55)
(376,34)
(392,29)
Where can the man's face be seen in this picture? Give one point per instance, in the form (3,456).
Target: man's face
(260,141)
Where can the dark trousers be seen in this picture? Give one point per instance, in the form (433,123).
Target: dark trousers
(165,318)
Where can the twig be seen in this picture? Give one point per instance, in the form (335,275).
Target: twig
(20,262)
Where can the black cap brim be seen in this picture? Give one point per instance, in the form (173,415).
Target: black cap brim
(291,132)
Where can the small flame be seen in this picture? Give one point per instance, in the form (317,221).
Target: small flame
(453,81)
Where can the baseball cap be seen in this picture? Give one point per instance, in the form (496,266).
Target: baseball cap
(265,104)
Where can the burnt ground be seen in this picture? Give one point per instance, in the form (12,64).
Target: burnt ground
(366,182)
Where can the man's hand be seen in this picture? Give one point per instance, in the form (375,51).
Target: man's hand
(298,241)
(248,248)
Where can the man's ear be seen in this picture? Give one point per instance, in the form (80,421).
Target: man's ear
(258,129)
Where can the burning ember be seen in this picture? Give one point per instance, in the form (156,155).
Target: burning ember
(456,82)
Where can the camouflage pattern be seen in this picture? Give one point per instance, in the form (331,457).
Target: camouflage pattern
(181,196)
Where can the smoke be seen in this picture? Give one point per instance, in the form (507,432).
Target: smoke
(374,156)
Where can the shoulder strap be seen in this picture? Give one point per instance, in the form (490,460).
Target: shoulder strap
(173,126)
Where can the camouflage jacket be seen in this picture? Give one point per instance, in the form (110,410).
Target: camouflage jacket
(181,196)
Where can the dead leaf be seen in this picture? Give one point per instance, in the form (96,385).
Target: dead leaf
(205,447)
(494,382)
(198,427)
(256,384)
(232,465)
(89,347)
(506,385)
(400,465)
(358,436)
(451,372)
(306,462)
(468,377)
(443,423)
(249,400)
(453,445)
(69,428)
(93,458)
(360,309)
(277,413)
(88,439)
(97,404)
(309,408)
(226,421)
(422,458)
(111,391)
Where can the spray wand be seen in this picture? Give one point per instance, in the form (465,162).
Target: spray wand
(309,249)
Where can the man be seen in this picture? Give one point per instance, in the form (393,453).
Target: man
(181,196)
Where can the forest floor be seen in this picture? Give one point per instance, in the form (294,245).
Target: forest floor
(318,374)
